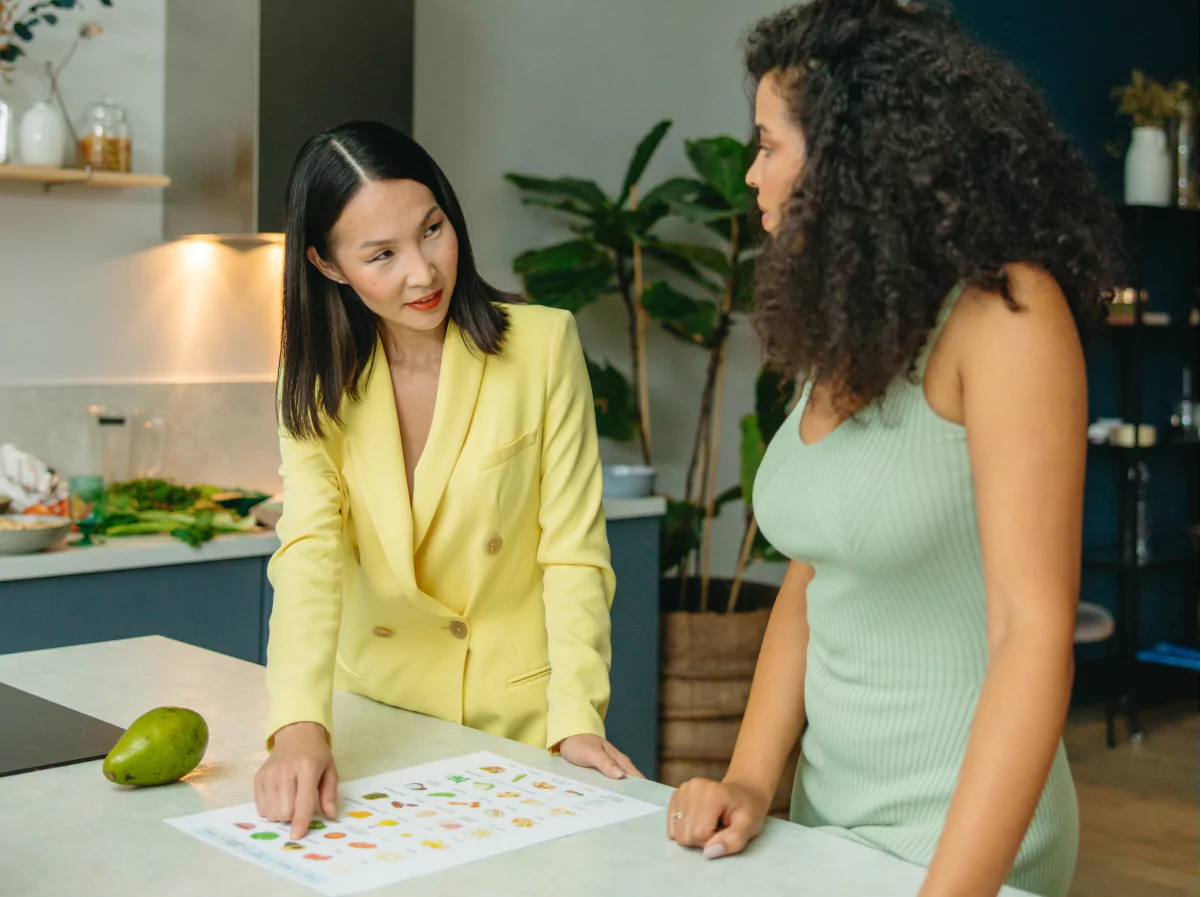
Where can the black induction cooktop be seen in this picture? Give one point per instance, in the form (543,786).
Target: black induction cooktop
(37,734)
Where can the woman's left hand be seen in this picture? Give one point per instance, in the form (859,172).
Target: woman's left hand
(593,752)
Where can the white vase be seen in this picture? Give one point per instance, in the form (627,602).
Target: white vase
(1148,168)
(43,136)
(5,127)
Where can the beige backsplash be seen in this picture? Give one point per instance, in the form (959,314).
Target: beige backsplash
(220,433)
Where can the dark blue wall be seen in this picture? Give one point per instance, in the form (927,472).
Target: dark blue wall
(1076,51)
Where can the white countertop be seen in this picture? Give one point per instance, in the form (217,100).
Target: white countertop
(74,833)
(132,552)
(627,508)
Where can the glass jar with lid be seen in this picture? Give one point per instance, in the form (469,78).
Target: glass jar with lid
(105,142)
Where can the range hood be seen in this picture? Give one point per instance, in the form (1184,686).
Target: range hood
(249,81)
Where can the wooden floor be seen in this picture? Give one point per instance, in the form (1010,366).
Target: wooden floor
(1138,806)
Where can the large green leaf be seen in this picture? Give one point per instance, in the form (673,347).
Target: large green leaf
(586,192)
(773,395)
(744,294)
(679,189)
(734,493)
(694,321)
(571,290)
(640,221)
(642,157)
(617,229)
(636,224)
(681,533)
(762,550)
(616,411)
(722,164)
(681,265)
(568,206)
(752,450)
(708,257)
(573,255)
(697,212)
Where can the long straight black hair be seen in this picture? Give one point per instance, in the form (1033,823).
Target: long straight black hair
(329,335)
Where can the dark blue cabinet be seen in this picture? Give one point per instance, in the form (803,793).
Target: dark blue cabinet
(215,605)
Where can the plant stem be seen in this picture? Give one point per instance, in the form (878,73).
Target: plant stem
(644,387)
(691,554)
(744,559)
(623,284)
(710,493)
(711,479)
(702,422)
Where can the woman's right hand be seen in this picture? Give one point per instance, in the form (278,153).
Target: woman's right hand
(718,817)
(299,775)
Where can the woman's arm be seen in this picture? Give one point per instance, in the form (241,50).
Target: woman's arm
(723,817)
(306,573)
(299,776)
(775,713)
(573,551)
(1025,410)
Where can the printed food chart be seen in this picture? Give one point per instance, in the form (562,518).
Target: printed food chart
(418,820)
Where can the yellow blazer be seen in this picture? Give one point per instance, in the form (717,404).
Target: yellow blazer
(485,600)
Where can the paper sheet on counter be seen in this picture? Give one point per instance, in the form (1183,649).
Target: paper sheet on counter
(418,820)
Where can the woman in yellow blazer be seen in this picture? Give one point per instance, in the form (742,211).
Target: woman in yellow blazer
(443,545)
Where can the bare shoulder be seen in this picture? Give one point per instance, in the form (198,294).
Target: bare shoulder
(983,318)
(1040,304)
(1017,347)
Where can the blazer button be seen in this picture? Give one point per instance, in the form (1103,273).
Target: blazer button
(458,629)
(382,632)
(494,544)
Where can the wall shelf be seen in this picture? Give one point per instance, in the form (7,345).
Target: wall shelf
(80,177)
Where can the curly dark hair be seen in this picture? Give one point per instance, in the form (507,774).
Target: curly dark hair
(929,161)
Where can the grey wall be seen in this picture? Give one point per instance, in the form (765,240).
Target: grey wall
(568,87)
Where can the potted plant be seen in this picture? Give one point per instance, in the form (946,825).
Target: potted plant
(1150,106)
(697,294)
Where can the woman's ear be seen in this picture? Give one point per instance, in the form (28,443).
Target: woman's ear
(323,266)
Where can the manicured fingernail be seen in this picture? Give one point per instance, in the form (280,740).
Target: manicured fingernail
(715,851)
(617,773)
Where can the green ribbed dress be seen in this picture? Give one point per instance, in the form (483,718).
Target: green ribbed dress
(885,511)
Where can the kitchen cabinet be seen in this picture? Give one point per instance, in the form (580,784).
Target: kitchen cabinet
(215,605)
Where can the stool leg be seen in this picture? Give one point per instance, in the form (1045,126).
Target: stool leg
(1111,693)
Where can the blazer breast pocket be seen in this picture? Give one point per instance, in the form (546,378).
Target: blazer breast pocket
(508,451)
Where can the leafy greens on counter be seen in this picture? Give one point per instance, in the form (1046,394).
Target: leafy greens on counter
(148,506)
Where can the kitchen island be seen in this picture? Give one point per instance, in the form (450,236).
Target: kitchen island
(74,833)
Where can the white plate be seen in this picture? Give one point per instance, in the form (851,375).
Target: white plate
(628,481)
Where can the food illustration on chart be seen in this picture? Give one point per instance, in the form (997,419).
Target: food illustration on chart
(418,820)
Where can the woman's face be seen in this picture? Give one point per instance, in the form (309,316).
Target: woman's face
(781,155)
(398,251)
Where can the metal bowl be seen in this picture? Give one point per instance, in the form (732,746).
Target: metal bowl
(27,541)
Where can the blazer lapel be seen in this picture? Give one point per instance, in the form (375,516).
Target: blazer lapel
(373,436)
(459,381)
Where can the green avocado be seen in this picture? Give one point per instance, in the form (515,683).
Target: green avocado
(161,746)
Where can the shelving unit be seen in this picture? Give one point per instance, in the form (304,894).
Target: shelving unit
(81,177)
(1139,345)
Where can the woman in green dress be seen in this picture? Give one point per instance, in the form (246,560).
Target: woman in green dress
(937,246)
